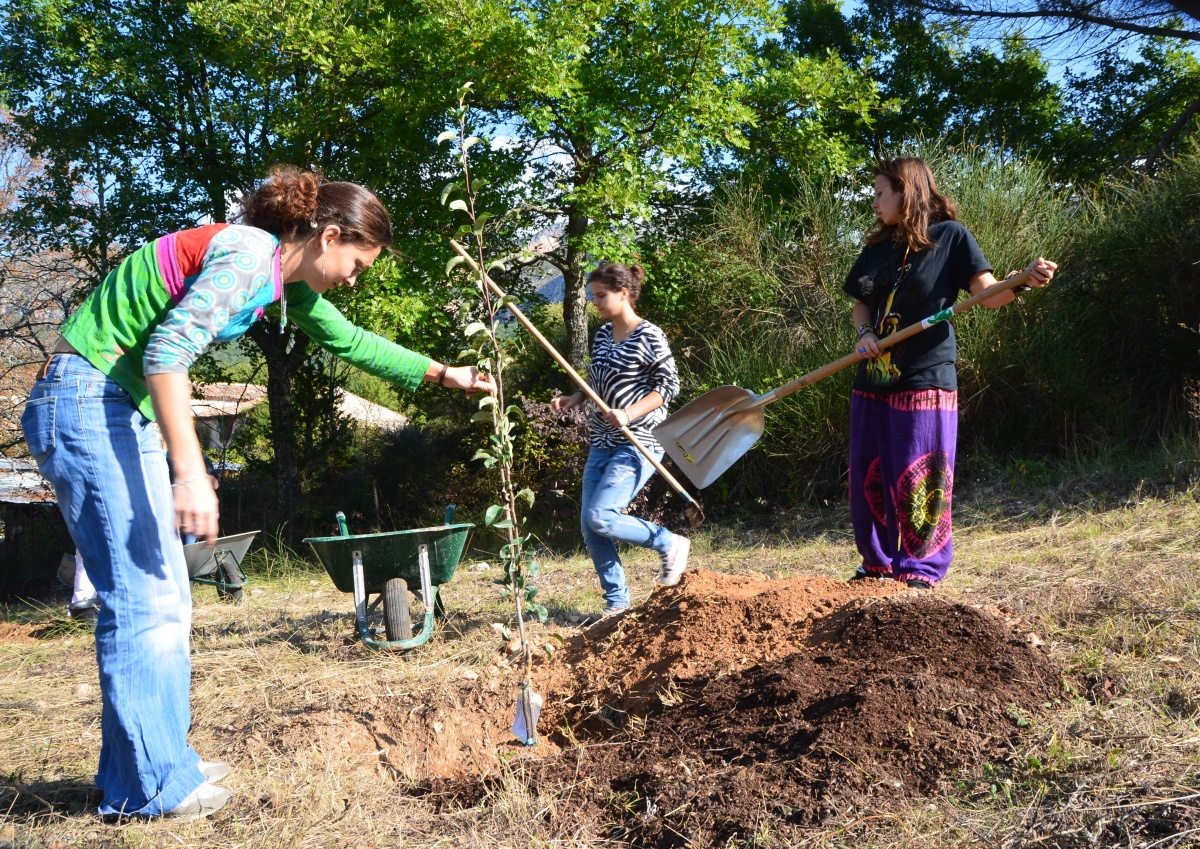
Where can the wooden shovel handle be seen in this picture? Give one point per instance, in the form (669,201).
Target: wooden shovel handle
(567,367)
(897,337)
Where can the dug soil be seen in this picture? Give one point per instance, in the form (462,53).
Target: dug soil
(732,706)
(726,707)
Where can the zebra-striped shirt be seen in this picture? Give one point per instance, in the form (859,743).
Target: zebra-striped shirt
(624,373)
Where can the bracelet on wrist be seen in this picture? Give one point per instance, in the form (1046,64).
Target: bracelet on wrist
(864,329)
(184,482)
(442,375)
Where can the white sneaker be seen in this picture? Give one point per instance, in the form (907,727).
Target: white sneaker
(213,771)
(204,801)
(674,562)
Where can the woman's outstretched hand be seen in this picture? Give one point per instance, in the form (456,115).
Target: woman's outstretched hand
(469,379)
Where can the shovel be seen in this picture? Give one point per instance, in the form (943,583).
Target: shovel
(706,436)
(691,511)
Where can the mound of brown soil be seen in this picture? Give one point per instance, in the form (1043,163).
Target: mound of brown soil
(733,701)
(710,624)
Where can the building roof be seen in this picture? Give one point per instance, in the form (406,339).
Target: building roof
(225,399)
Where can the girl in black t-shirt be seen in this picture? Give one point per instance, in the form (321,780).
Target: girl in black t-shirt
(904,406)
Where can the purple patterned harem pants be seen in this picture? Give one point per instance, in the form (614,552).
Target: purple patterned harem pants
(902,480)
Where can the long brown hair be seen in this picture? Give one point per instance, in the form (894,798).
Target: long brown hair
(921,204)
(295,204)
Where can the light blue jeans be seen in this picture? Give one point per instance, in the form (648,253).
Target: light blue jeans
(611,479)
(110,477)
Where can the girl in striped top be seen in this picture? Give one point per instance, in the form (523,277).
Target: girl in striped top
(633,370)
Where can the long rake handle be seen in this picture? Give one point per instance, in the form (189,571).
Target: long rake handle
(897,337)
(570,370)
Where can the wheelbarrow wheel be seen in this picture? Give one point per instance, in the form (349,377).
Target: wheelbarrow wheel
(232,592)
(231,596)
(397,621)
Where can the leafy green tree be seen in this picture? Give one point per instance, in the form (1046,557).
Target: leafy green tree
(1132,110)
(607,105)
(151,117)
(934,79)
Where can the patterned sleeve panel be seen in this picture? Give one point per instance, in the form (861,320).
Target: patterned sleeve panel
(326,326)
(664,376)
(238,266)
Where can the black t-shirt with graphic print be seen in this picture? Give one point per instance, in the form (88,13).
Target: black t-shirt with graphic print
(932,282)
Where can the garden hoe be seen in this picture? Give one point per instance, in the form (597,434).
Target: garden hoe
(706,436)
(692,511)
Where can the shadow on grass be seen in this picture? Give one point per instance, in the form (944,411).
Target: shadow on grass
(29,801)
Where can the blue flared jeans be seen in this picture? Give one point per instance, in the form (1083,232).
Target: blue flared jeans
(611,480)
(106,462)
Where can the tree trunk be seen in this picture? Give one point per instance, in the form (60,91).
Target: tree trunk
(284,353)
(574,289)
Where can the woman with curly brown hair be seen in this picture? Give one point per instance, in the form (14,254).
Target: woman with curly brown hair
(116,388)
(904,405)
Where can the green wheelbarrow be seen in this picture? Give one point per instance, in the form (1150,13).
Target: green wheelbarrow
(387,566)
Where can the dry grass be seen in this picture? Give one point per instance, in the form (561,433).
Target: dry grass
(280,689)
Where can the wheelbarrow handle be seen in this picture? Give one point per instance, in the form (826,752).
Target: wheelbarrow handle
(571,372)
(894,339)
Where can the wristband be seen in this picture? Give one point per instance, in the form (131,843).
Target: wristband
(442,375)
(183,482)
(863,330)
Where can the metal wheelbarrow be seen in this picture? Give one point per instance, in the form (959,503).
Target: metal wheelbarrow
(220,564)
(388,565)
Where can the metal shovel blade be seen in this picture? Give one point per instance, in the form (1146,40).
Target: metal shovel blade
(706,436)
